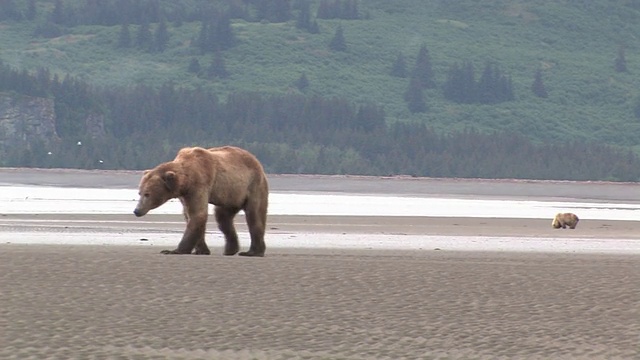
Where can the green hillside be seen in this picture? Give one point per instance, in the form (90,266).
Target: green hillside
(574,45)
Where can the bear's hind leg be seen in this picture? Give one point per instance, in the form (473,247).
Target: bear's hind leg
(256,217)
(224,217)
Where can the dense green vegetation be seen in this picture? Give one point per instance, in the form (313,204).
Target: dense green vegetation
(487,88)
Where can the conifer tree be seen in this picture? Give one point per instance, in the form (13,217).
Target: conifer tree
(338,42)
(275,11)
(302,83)
(621,61)
(9,10)
(31,10)
(57,15)
(423,70)
(201,41)
(218,68)
(144,36)
(161,37)
(304,15)
(194,66)
(314,28)
(414,96)
(124,37)
(538,85)
(399,67)
(636,109)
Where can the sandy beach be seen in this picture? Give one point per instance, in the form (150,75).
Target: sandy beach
(130,302)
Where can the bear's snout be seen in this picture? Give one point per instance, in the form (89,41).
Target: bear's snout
(137,212)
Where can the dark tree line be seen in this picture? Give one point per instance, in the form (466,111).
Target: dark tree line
(11,10)
(118,12)
(215,34)
(289,133)
(493,86)
(338,9)
(305,20)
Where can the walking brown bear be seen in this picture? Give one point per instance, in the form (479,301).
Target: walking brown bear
(230,178)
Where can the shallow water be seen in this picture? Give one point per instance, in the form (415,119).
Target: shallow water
(48,200)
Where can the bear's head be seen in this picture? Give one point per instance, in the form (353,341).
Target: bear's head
(157,186)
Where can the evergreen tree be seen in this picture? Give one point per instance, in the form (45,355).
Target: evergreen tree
(161,37)
(275,11)
(144,36)
(57,15)
(217,69)
(314,28)
(31,10)
(399,67)
(338,42)
(48,30)
(302,83)
(423,70)
(338,9)
(488,87)
(124,37)
(460,85)
(507,88)
(218,34)
(194,66)
(636,109)
(621,61)
(303,20)
(201,41)
(9,10)
(538,85)
(326,10)
(493,87)
(349,10)
(414,96)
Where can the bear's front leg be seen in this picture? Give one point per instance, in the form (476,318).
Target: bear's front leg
(196,226)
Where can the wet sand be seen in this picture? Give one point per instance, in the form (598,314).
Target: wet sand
(129,302)
(291,224)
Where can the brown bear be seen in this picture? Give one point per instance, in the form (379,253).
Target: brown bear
(230,178)
(562,220)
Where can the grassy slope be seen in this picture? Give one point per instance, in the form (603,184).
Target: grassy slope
(574,45)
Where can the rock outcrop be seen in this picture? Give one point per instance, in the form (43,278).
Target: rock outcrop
(25,119)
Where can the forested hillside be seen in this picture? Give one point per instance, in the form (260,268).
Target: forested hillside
(489,88)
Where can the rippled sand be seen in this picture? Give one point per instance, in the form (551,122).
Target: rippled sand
(132,303)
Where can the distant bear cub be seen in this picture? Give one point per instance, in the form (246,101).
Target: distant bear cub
(230,178)
(562,220)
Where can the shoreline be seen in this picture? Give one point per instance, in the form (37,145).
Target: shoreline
(399,185)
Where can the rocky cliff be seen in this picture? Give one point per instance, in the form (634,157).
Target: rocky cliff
(25,119)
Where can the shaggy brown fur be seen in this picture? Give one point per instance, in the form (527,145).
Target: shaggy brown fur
(230,178)
(562,220)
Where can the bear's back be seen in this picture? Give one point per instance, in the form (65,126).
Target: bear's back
(224,159)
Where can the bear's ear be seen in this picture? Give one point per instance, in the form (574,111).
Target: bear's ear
(170,180)
(146,172)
